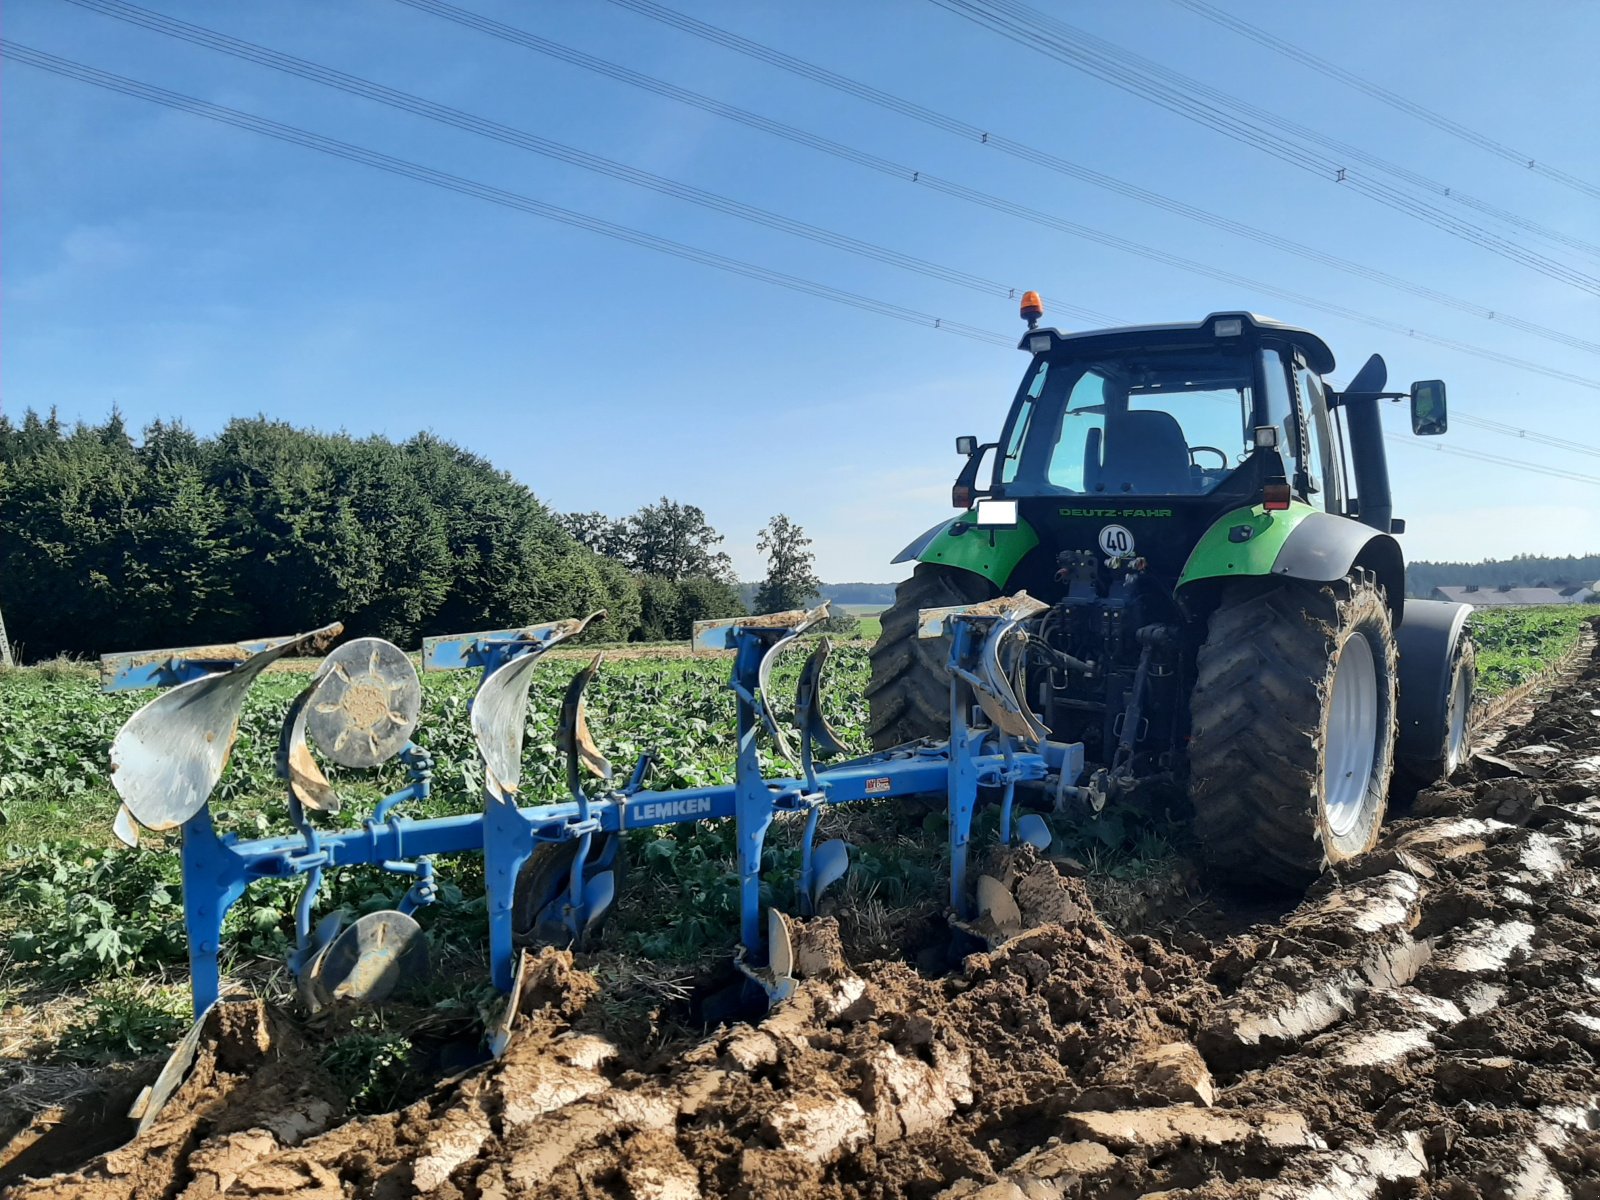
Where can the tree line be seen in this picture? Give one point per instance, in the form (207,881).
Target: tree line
(1522,570)
(111,542)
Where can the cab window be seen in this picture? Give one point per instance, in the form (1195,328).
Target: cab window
(1170,423)
(1078,450)
(1279,391)
(1019,431)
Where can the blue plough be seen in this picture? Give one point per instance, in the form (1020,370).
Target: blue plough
(551,868)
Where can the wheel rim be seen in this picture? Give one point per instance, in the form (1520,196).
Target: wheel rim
(1460,699)
(1352,741)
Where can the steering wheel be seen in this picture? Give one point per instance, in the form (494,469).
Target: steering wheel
(1222,454)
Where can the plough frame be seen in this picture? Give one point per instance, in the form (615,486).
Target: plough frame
(994,744)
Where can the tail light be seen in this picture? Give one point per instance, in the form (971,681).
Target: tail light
(961,496)
(1275,497)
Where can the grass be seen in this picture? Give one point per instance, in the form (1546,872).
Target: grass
(870,617)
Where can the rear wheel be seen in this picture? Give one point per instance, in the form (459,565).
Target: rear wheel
(1294,720)
(908,696)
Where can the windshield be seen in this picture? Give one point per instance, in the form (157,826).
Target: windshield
(1165,423)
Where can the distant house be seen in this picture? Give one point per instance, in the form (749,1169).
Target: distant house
(1505,594)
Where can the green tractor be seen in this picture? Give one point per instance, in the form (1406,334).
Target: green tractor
(1212,526)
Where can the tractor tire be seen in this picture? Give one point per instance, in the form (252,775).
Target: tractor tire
(544,877)
(908,695)
(1455,737)
(1293,729)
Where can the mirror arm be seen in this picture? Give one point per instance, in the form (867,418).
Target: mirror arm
(964,493)
(969,470)
(1337,398)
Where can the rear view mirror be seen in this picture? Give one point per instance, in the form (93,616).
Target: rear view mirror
(966,446)
(1428,415)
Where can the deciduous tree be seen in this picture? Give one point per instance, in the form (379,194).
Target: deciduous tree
(674,541)
(791,580)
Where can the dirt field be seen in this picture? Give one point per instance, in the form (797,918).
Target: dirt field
(1428,1025)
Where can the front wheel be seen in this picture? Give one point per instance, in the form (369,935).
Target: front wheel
(1451,738)
(1294,721)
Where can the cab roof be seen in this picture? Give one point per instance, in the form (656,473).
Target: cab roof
(1129,337)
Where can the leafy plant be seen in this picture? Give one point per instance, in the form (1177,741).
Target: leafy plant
(74,910)
(372,1069)
(125,1020)
(86,912)
(1515,644)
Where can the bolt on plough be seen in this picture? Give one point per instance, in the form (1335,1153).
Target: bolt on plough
(551,868)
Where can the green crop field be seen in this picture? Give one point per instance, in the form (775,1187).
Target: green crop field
(1514,644)
(101,926)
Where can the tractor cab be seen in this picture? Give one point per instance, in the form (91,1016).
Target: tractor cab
(1168,411)
(1145,480)
(1127,445)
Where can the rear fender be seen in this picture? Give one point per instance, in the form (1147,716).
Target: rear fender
(993,551)
(1299,542)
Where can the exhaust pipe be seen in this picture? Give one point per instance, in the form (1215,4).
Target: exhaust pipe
(1369,460)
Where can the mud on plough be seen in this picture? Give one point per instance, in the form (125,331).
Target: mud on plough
(551,868)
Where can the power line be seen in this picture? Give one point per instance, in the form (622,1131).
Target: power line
(1268,133)
(523,139)
(455,183)
(482,191)
(1497,460)
(1196,101)
(1542,439)
(925,179)
(1393,99)
(976,133)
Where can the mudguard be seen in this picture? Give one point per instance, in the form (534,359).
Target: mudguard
(1299,542)
(993,551)
(1427,642)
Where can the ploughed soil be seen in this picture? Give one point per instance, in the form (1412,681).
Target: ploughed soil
(1425,1024)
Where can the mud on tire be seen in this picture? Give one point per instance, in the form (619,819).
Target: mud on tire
(908,695)
(1274,765)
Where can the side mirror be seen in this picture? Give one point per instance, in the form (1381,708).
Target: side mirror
(966,446)
(1428,414)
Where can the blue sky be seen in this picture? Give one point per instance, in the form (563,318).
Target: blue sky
(180,268)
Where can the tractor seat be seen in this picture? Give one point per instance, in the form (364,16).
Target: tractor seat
(1146,453)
